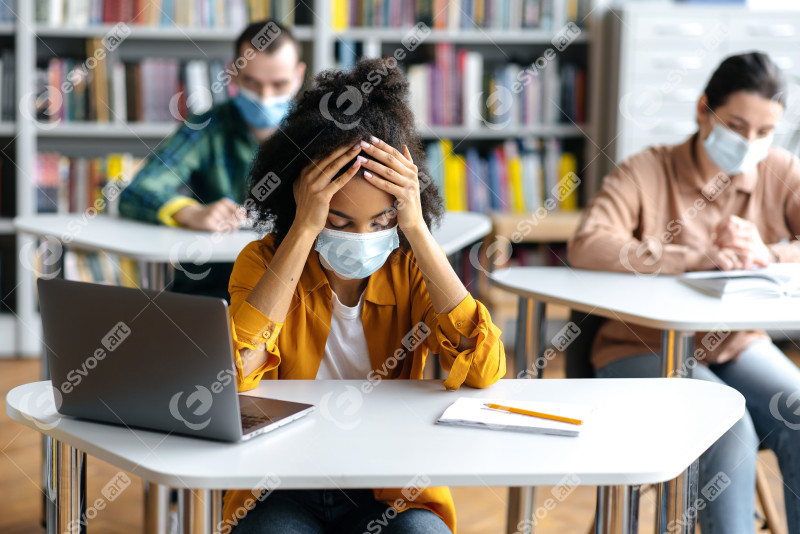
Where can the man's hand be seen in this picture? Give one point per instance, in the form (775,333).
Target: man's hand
(219,216)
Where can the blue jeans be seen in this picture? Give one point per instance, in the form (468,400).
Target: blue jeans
(335,512)
(766,378)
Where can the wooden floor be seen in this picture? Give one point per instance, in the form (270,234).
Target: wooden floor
(480,510)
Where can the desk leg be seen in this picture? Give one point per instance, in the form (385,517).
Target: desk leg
(521,341)
(156,276)
(529,311)
(675,498)
(676,512)
(676,349)
(199,511)
(49,270)
(617,510)
(65,488)
(156,508)
(520,509)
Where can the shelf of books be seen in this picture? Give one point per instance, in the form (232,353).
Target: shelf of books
(8,131)
(102,83)
(498,89)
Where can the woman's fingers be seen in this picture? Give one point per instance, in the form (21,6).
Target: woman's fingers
(390,157)
(328,166)
(407,154)
(386,173)
(397,191)
(342,180)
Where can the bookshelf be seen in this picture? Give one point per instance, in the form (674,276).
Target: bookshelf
(316,26)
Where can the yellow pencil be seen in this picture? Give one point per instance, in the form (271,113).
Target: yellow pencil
(534,414)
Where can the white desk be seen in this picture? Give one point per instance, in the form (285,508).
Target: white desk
(660,302)
(161,249)
(343,444)
(164,245)
(461,228)
(670,305)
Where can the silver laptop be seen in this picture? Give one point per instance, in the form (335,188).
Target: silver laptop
(155,360)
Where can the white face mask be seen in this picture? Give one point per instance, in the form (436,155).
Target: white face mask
(733,153)
(354,255)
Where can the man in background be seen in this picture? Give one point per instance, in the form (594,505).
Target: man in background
(197,177)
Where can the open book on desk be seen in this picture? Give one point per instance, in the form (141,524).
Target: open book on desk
(469,411)
(775,280)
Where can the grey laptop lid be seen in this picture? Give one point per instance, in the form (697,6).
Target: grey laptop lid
(155,360)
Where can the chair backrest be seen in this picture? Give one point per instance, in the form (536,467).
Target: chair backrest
(578,353)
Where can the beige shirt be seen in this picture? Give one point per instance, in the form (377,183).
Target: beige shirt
(656,213)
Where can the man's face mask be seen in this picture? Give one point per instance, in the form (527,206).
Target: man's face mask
(260,112)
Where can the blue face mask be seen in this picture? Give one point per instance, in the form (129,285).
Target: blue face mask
(353,255)
(261,113)
(732,153)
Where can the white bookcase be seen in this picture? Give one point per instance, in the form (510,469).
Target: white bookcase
(660,57)
(20,332)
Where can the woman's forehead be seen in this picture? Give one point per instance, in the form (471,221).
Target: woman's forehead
(360,199)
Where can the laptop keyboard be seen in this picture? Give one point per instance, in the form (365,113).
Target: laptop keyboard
(249,420)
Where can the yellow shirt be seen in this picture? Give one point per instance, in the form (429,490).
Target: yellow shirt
(396,299)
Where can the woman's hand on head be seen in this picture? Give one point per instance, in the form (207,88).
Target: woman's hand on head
(395,173)
(313,190)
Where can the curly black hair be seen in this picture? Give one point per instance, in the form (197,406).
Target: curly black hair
(342,107)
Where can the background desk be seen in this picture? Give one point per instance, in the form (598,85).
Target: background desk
(162,245)
(623,444)
(660,302)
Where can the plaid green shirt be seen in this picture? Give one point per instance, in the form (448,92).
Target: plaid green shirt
(201,162)
(208,158)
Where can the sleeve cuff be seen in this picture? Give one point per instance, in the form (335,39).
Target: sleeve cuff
(252,328)
(460,320)
(173,206)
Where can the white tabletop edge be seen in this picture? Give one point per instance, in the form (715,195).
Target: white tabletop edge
(654,317)
(678,462)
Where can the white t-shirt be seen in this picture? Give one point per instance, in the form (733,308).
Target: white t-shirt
(346,355)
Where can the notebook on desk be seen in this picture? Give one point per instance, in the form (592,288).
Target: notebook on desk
(468,411)
(775,280)
(154,360)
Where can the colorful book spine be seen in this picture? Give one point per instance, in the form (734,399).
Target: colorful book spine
(516,176)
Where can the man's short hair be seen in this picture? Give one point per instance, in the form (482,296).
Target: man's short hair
(266,36)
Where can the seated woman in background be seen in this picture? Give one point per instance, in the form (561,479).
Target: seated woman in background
(723,199)
(349,271)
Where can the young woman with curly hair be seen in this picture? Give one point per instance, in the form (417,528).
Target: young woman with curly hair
(348,269)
